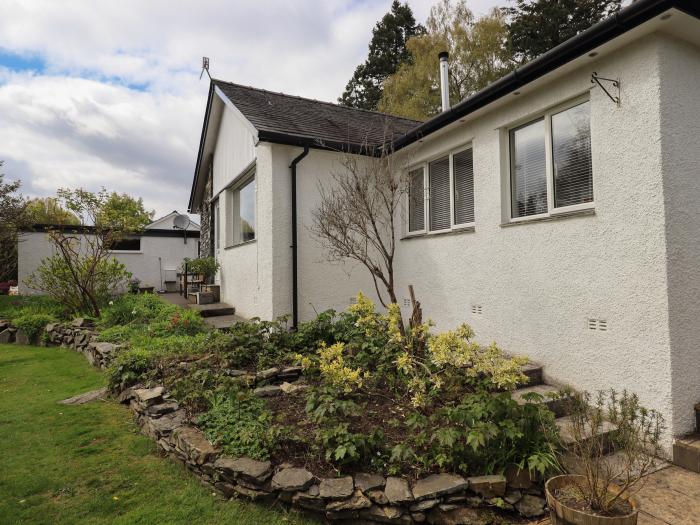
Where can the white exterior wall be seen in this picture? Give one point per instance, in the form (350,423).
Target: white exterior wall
(321,284)
(246,269)
(144,264)
(680,146)
(539,282)
(235,149)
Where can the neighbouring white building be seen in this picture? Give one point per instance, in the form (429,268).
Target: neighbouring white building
(153,257)
(556,212)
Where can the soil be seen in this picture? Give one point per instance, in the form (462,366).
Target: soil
(570,497)
(378,411)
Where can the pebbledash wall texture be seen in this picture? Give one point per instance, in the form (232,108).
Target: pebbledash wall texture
(627,260)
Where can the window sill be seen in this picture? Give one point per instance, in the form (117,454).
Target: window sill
(554,216)
(121,252)
(244,243)
(454,231)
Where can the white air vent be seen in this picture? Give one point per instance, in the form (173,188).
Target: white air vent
(476,309)
(601,325)
(407,303)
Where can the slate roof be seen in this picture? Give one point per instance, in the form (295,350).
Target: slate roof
(290,119)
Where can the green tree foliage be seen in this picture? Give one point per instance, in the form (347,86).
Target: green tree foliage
(387,51)
(13,215)
(48,210)
(83,274)
(536,26)
(478,56)
(125,213)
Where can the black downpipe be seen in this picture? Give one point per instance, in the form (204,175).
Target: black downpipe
(295,285)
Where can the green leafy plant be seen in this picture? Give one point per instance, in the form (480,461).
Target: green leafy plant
(241,424)
(129,368)
(206,266)
(487,432)
(136,309)
(32,324)
(344,447)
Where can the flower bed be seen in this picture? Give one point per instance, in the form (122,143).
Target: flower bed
(304,416)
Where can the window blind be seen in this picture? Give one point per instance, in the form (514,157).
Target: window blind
(416,200)
(439,208)
(528,170)
(463,173)
(571,155)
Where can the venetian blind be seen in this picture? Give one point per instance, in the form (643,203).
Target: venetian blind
(416,201)
(571,155)
(463,169)
(528,170)
(439,208)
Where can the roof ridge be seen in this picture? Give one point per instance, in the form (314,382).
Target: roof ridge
(333,104)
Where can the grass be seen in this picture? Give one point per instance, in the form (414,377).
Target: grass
(89,464)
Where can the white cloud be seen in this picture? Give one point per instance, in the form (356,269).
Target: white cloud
(119,103)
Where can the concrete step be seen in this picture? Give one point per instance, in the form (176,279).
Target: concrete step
(214,309)
(551,398)
(534,374)
(567,436)
(686,452)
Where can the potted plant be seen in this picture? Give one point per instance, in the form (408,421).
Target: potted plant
(604,491)
(206,267)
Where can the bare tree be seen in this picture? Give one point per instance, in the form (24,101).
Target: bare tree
(357,216)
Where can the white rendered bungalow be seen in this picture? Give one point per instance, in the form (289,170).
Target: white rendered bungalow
(556,212)
(153,257)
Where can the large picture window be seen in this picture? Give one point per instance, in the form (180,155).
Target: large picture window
(242,216)
(550,162)
(441,194)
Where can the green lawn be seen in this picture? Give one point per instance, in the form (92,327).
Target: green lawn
(89,464)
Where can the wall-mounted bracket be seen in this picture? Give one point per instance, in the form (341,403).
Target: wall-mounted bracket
(595,79)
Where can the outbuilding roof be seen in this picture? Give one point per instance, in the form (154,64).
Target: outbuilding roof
(293,120)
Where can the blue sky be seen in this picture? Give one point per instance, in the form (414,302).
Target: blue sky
(105,93)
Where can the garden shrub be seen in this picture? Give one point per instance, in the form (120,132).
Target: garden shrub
(118,334)
(241,425)
(136,309)
(129,367)
(32,324)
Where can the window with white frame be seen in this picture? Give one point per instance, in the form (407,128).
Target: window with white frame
(550,162)
(242,213)
(441,193)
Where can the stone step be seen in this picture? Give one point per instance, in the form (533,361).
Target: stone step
(686,452)
(534,373)
(214,309)
(552,398)
(567,437)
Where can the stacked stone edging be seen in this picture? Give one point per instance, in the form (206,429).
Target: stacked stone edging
(372,498)
(80,335)
(441,499)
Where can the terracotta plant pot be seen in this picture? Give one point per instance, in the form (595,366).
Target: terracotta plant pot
(560,514)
